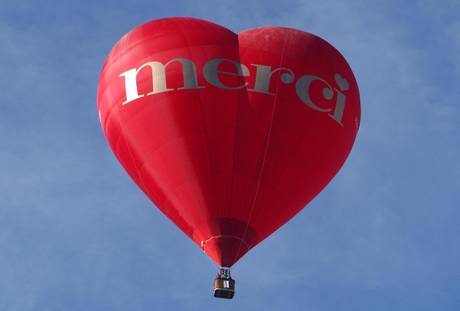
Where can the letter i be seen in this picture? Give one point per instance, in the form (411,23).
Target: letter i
(340,104)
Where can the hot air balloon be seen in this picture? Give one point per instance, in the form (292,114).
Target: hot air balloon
(230,135)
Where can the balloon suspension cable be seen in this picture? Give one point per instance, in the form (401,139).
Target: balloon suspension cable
(224,273)
(224,285)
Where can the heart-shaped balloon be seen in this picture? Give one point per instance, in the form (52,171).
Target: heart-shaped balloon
(230,135)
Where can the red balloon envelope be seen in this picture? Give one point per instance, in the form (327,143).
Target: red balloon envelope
(230,135)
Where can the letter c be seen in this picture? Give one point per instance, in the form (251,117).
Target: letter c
(302,88)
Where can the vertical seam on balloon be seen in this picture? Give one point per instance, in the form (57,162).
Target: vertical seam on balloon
(128,147)
(267,144)
(205,134)
(235,138)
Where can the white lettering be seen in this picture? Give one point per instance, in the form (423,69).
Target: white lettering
(158,71)
(212,75)
(264,75)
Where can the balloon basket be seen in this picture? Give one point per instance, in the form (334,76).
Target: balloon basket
(224,285)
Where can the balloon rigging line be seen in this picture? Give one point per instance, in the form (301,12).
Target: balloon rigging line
(267,144)
(203,123)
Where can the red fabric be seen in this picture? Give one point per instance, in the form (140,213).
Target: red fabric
(228,167)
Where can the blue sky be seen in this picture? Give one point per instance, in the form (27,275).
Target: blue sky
(76,233)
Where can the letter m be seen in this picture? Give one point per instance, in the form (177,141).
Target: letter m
(158,71)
